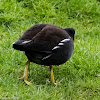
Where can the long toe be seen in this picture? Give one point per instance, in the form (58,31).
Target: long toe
(28,83)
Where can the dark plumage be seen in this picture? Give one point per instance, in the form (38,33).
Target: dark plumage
(47,44)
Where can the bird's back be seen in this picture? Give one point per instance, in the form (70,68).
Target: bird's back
(38,43)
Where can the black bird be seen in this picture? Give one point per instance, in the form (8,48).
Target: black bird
(46,44)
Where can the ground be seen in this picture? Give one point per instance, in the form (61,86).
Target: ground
(78,78)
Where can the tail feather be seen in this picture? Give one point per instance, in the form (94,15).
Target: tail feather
(18,45)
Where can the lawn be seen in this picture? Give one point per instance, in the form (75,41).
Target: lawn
(78,78)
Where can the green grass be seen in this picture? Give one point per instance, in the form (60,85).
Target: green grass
(78,78)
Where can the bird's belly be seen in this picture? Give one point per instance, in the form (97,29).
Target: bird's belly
(57,58)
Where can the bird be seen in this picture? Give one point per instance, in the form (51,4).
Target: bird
(46,44)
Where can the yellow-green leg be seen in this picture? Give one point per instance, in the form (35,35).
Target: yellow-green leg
(52,75)
(25,76)
(26,73)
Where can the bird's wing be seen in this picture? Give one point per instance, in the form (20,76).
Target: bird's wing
(62,46)
(46,39)
(31,32)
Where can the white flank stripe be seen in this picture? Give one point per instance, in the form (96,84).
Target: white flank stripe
(56,47)
(26,42)
(46,57)
(61,44)
(65,40)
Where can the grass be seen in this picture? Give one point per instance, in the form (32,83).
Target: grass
(78,78)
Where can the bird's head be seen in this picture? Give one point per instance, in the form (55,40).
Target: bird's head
(71,32)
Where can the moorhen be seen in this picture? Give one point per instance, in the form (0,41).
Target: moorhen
(46,44)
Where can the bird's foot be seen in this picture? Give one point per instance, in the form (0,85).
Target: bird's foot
(27,82)
(55,84)
(21,78)
(58,83)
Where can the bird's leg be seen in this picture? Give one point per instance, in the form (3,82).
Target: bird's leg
(26,73)
(29,70)
(25,76)
(52,75)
